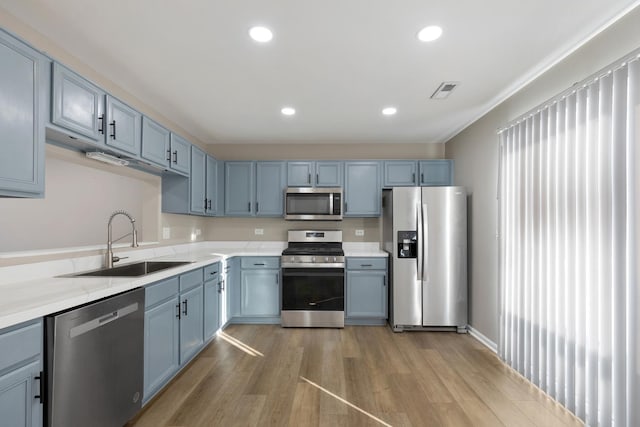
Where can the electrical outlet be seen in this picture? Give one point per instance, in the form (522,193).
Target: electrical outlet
(360,233)
(198,232)
(166,233)
(258,231)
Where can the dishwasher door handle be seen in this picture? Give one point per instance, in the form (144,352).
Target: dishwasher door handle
(98,322)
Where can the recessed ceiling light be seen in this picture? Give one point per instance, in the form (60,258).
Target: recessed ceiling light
(430,33)
(389,111)
(260,34)
(288,111)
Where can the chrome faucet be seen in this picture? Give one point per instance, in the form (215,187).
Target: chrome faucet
(109,257)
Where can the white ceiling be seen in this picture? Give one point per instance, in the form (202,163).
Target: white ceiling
(338,62)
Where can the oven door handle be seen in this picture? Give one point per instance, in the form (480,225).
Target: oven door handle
(305,272)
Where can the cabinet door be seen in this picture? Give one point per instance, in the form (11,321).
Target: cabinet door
(180,154)
(260,293)
(18,405)
(76,104)
(299,174)
(212,291)
(239,189)
(191,323)
(211,186)
(436,172)
(197,180)
(155,142)
(22,103)
(123,127)
(270,186)
(400,173)
(161,339)
(363,195)
(366,294)
(328,174)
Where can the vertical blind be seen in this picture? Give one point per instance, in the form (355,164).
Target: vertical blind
(570,304)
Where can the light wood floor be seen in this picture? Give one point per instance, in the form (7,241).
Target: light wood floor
(255,375)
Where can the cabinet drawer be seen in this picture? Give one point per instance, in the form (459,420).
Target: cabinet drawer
(191,279)
(366,263)
(211,272)
(259,262)
(158,292)
(19,343)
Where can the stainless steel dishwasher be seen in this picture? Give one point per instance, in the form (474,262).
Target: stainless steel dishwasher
(95,362)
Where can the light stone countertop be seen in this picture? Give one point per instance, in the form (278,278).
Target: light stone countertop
(29,291)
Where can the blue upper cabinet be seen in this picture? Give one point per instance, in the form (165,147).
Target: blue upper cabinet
(328,174)
(198,203)
(362,189)
(180,153)
(436,172)
(270,186)
(239,188)
(314,174)
(77,104)
(212,199)
(299,174)
(254,188)
(124,126)
(155,143)
(400,173)
(23,85)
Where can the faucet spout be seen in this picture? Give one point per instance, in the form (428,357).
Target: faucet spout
(109,257)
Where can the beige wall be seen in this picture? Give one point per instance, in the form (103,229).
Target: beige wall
(476,157)
(80,195)
(276,229)
(307,150)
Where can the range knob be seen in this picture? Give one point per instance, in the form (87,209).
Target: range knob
(326,259)
(313,259)
(335,259)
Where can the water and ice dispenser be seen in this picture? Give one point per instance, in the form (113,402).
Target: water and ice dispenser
(407,244)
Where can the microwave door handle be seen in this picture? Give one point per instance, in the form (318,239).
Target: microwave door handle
(330,203)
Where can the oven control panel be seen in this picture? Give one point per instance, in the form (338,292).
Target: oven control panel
(293,261)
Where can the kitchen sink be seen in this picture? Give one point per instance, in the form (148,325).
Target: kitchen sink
(131,270)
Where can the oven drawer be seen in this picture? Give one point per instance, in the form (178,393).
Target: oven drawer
(316,289)
(255,262)
(366,263)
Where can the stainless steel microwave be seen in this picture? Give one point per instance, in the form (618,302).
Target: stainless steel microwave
(315,204)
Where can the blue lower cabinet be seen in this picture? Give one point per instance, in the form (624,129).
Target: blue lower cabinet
(20,375)
(161,338)
(366,291)
(260,292)
(191,323)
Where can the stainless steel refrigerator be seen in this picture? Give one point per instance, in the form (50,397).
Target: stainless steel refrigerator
(424,230)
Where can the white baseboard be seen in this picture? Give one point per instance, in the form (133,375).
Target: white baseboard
(483,339)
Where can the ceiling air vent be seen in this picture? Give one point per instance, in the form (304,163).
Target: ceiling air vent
(444,90)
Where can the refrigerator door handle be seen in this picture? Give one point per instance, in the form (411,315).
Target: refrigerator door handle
(419,223)
(425,238)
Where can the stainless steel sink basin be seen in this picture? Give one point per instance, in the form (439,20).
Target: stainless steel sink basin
(131,270)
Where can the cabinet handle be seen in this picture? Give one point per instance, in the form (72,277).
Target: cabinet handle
(345,207)
(40,395)
(209,204)
(113,124)
(213,272)
(413,175)
(421,178)
(169,155)
(259,264)
(223,283)
(249,207)
(184,310)
(366,265)
(175,156)
(178,310)
(101,128)
(277,279)
(205,204)
(257,206)
(309,179)
(317,179)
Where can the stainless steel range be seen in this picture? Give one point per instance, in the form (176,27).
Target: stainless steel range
(313,279)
